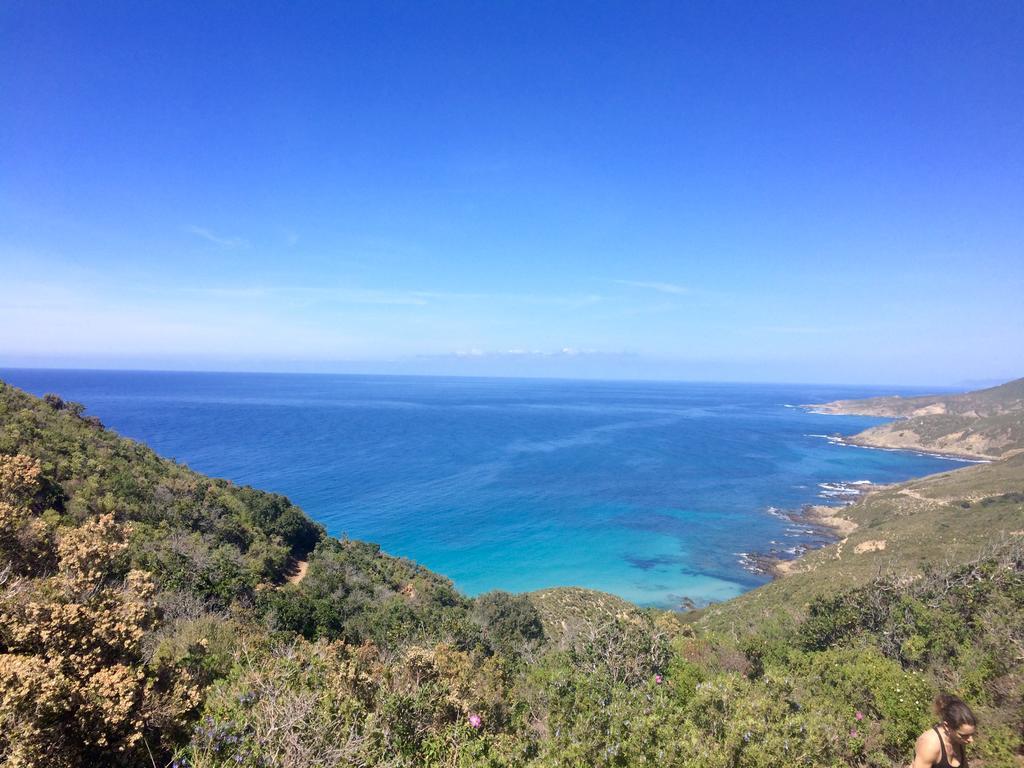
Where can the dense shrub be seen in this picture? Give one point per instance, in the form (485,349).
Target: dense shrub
(895,703)
(354,592)
(349,705)
(74,689)
(510,623)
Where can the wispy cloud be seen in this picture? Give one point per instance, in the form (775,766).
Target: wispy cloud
(388,298)
(309,295)
(231,292)
(223,242)
(569,301)
(521,352)
(797,329)
(672,288)
(418,298)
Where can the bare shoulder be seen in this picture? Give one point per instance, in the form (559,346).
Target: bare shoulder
(927,750)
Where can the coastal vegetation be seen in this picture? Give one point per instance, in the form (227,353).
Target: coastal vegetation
(153,616)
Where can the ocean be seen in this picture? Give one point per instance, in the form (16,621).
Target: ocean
(657,492)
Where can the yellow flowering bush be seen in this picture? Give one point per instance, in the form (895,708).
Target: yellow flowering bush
(73,686)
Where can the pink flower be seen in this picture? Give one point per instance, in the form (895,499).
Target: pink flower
(859,715)
(853,732)
(475,721)
(658,679)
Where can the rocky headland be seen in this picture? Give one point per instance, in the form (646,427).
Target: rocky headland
(986,425)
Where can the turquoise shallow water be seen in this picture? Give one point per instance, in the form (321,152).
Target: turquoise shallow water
(652,491)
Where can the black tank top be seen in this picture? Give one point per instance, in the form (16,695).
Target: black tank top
(944,762)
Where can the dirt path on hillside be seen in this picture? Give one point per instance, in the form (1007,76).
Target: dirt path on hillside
(300,572)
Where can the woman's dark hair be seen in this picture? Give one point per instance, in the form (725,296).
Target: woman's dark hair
(953,711)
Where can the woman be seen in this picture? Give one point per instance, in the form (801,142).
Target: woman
(945,745)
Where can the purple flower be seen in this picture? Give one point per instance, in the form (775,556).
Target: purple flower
(475,721)
(853,733)
(859,715)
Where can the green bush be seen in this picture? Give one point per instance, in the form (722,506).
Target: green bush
(510,623)
(895,703)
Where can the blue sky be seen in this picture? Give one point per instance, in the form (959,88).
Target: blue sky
(719,190)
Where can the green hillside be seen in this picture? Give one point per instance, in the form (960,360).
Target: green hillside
(153,616)
(205,538)
(902,531)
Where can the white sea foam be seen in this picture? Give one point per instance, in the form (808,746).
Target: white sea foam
(747,563)
(838,489)
(832,439)
(840,440)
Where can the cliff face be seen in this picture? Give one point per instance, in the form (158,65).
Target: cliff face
(987,424)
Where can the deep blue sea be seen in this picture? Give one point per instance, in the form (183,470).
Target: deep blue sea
(651,491)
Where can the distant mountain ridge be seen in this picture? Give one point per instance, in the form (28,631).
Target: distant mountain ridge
(985,424)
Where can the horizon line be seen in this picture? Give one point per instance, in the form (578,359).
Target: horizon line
(978,384)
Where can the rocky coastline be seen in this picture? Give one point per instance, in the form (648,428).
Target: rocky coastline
(821,524)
